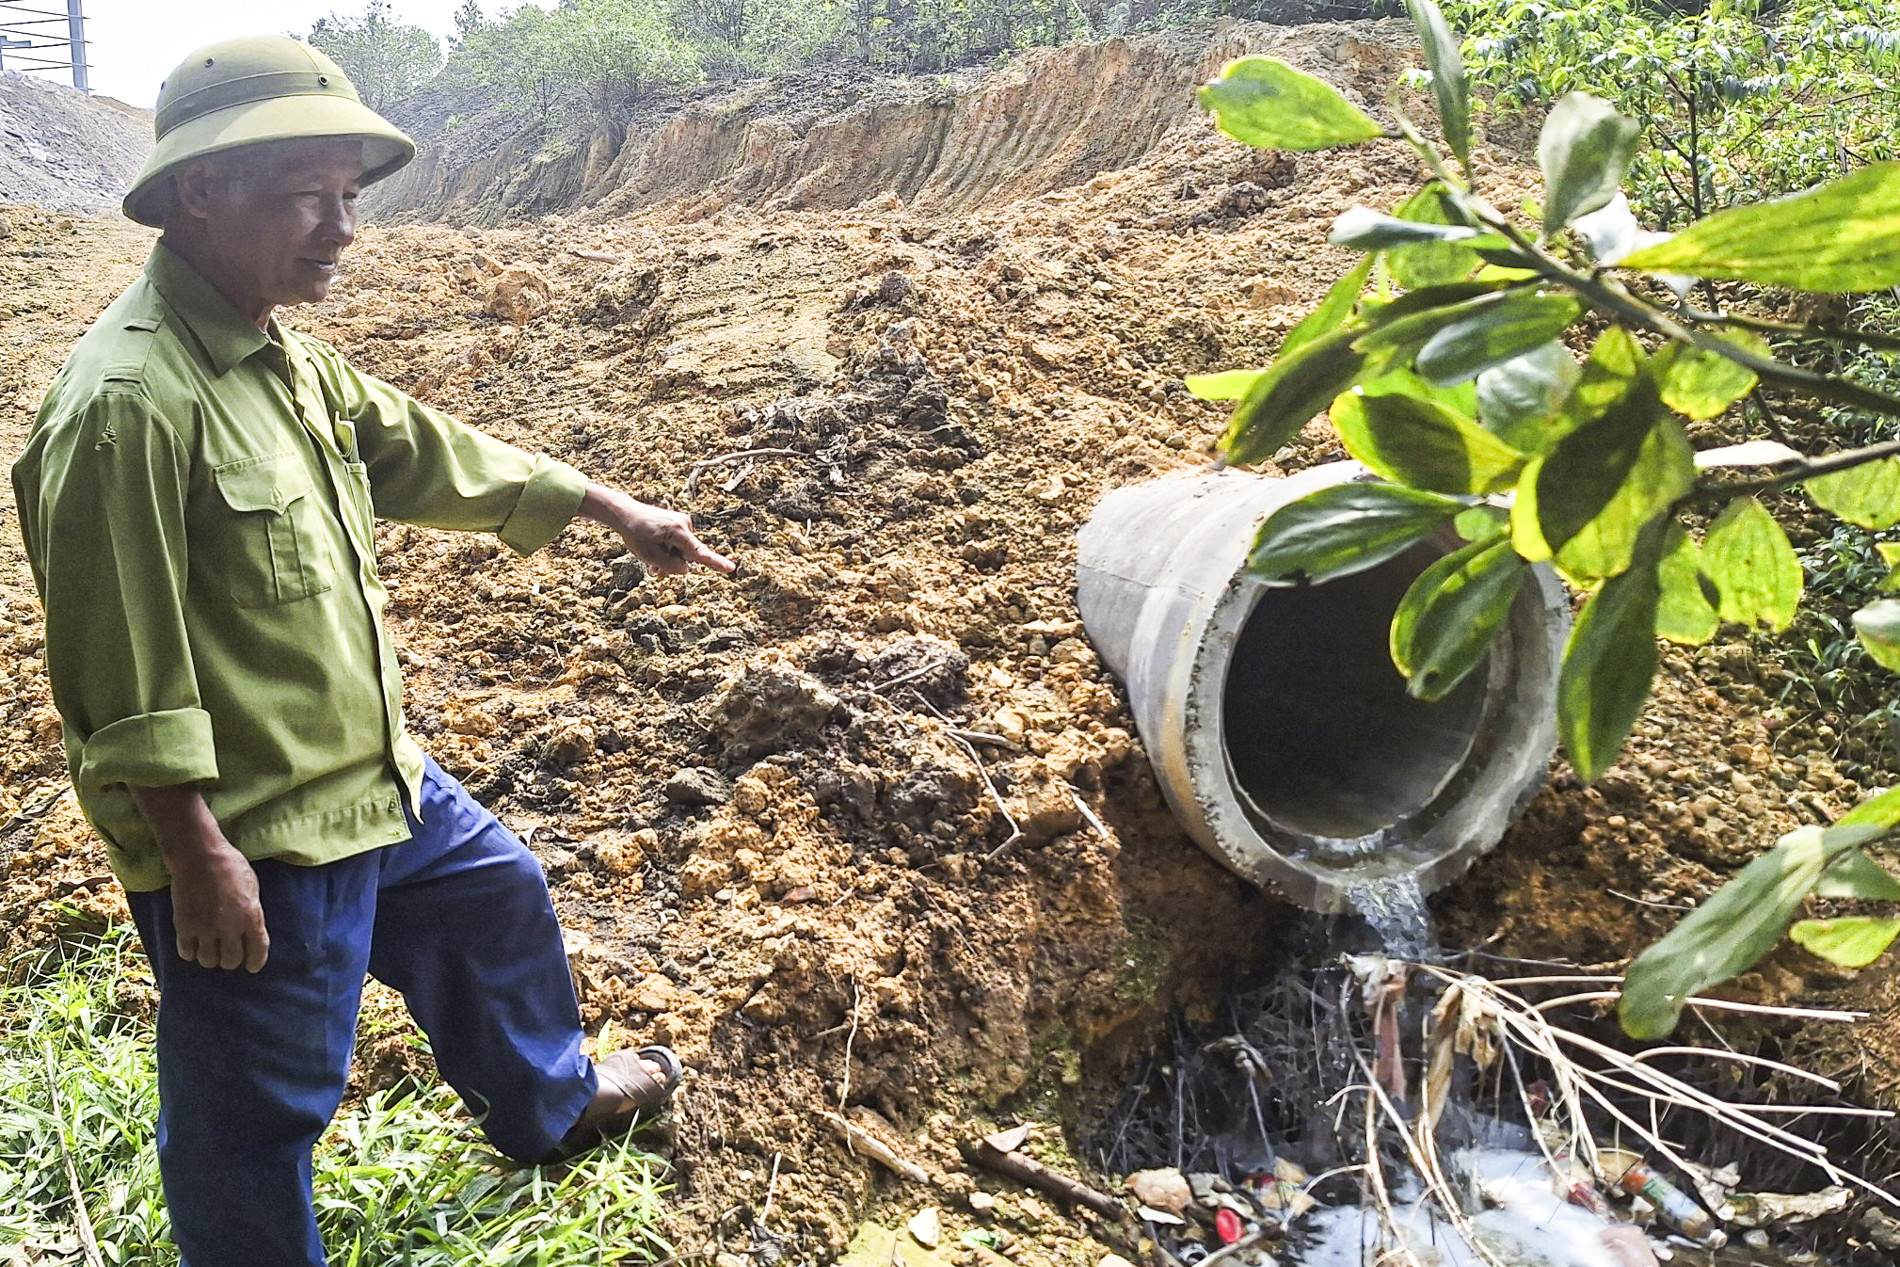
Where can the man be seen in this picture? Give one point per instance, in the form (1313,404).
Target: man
(198,500)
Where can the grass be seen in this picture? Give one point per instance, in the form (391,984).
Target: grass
(401,1180)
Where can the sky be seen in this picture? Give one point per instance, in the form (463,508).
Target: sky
(136,43)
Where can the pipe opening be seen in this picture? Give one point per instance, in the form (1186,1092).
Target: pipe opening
(1322,740)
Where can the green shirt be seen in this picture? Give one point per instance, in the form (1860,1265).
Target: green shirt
(198,499)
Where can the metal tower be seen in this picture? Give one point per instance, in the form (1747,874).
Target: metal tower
(33,38)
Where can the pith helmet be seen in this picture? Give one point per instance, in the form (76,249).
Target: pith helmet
(266,88)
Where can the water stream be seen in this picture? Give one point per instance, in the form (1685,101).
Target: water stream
(1394,905)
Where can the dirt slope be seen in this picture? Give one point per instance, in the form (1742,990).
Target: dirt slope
(947,144)
(65,150)
(777,809)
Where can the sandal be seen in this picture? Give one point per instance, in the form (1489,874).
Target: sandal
(626,1096)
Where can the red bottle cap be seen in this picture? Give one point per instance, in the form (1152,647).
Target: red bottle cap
(1227,1223)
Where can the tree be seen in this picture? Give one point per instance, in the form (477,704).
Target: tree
(385,59)
(1451,381)
(468,20)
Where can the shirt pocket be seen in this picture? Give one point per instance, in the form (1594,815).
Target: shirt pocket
(272,551)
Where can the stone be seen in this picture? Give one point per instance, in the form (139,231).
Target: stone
(520,294)
(1163,1189)
(697,785)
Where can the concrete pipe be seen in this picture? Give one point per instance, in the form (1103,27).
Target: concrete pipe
(1280,732)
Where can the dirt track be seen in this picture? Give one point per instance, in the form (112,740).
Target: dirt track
(821,910)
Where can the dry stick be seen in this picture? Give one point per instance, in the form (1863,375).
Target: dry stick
(1388,1213)
(911,676)
(1027,1170)
(996,797)
(858,1140)
(771,1189)
(1720,1005)
(82,1220)
(1650,1052)
(1792,1145)
(700,468)
(844,1083)
(1101,829)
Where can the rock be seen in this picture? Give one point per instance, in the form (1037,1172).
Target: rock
(1163,1189)
(572,742)
(895,289)
(697,785)
(1114,1260)
(622,855)
(520,294)
(926,1227)
(982,1204)
(771,707)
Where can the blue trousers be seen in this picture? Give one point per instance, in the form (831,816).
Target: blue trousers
(251,1067)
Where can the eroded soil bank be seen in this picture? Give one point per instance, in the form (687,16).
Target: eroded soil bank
(776,809)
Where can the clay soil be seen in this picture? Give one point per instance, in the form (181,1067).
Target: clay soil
(776,809)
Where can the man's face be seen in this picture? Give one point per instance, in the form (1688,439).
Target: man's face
(279,216)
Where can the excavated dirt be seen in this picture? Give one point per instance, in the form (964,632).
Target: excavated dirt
(65,150)
(777,809)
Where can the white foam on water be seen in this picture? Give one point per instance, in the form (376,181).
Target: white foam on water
(1526,1223)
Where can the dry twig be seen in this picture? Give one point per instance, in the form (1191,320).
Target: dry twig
(88,1240)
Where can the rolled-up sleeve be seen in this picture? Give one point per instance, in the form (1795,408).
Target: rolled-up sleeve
(428,468)
(103,510)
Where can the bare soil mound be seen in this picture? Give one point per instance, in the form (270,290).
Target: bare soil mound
(66,150)
(864,829)
(940,144)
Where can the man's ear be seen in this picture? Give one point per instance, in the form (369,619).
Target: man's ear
(196,187)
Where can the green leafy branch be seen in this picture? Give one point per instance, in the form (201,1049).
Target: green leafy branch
(1443,359)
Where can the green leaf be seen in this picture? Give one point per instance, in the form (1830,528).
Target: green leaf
(1700,384)
(1881,811)
(1287,396)
(1226,385)
(1683,612)
(1853,941)
(1481,522)
(1430,263)
(1363,229)
(1664,470)
(1867,495)
(1460,398)
(1842,237)
(1333,311)
(1345,529)
(1494,334)
(1409,320)
(1265,102)
(1424,445)
(1878,625)
(1857,875)
(1746,556)
(1449,617)
(1449,83)
(1517,398)
(1598,486)
(1610,662)
(1615,360)
(1584,149)
(1732,929)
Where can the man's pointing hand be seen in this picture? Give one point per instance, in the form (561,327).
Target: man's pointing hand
(662,539)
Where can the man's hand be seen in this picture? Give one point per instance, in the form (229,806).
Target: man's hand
(215,906)
(663,539)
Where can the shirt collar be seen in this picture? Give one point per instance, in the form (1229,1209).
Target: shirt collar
(220,329)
